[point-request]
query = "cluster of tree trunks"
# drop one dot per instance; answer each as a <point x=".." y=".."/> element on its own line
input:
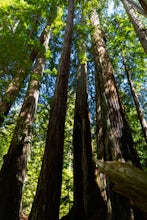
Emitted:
<point x="88" y="202"/>
<point x="114" y="140"/>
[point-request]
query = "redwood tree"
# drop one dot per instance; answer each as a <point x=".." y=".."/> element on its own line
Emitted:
<point x="116" y="140"/>
<point x="47" y="199"/>
<point x="88" y="202"/>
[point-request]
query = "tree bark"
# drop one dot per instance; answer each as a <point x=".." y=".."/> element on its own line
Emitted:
<point x="77" y="151"/>
<point x="17" y="83"/>
<point x="117" y="143"/>
<point x="144" y="5"/>
<point x="13" y="172"/>
<point x="141" y="116"/>
<point x="139" y="28"/>
<point x="88" y="199"/>
<point x="113" y="117"/>
<point x="10" y="95"/>
<point x="47" y="199"/>
<point x="138" y="7"/>
<point x="127" y="178"/>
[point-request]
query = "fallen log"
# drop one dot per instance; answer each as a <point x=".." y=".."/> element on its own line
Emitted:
<point x="128" y="181"/>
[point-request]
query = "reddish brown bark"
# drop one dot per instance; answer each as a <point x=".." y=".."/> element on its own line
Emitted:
<point x="116" y="141"/>
<point x="112" y="113"/>
<point x="47" y="199"/>
<point x="88" y="202"/>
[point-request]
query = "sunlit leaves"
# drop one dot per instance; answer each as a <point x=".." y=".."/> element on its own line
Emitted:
<point x="66" y="192"/>
<point x="58" y="23"/>
<point x="20" y="5"/>
<point x="52" y="72"/>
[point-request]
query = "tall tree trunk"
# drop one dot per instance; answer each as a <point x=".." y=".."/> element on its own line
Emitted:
<point x="17" y="82"/>
<point x="13" y="172"/>
<point x="141" y="116"/>
<point x="77" y="154"/>
<point x="47" y="199"/>
<point x="100" y="127"/>
<point x="88" y="199"/>
<point x="116" y="135"/>
<point x="139" y="28"/>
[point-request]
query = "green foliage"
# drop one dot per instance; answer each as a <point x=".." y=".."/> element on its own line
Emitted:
<point x="13" y="36"/>
<point x="58" y="24"/>
<point x="52" y="72"/>
<point x="138" y="138"/>
<point x="66" y="192"/>
<point x="66" y="201"/>
<point x="6" y="134"/>
<point x="34" y="166"/>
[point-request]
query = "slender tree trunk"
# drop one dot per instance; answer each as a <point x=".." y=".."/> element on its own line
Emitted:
<point x="138" y="7"/>
<point x="139" y="28"/>
<point x="141" y="116"/>
<point x="47" y="199"/>
<point x="99" y="112"/>
<point x="88" y="198"/>
<point x="116" y="135"/>
<point x="18" y="81"/>
<point x="77" y="149"/>
<point x="13" y="172"/>
<point x="10" y="95"/>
